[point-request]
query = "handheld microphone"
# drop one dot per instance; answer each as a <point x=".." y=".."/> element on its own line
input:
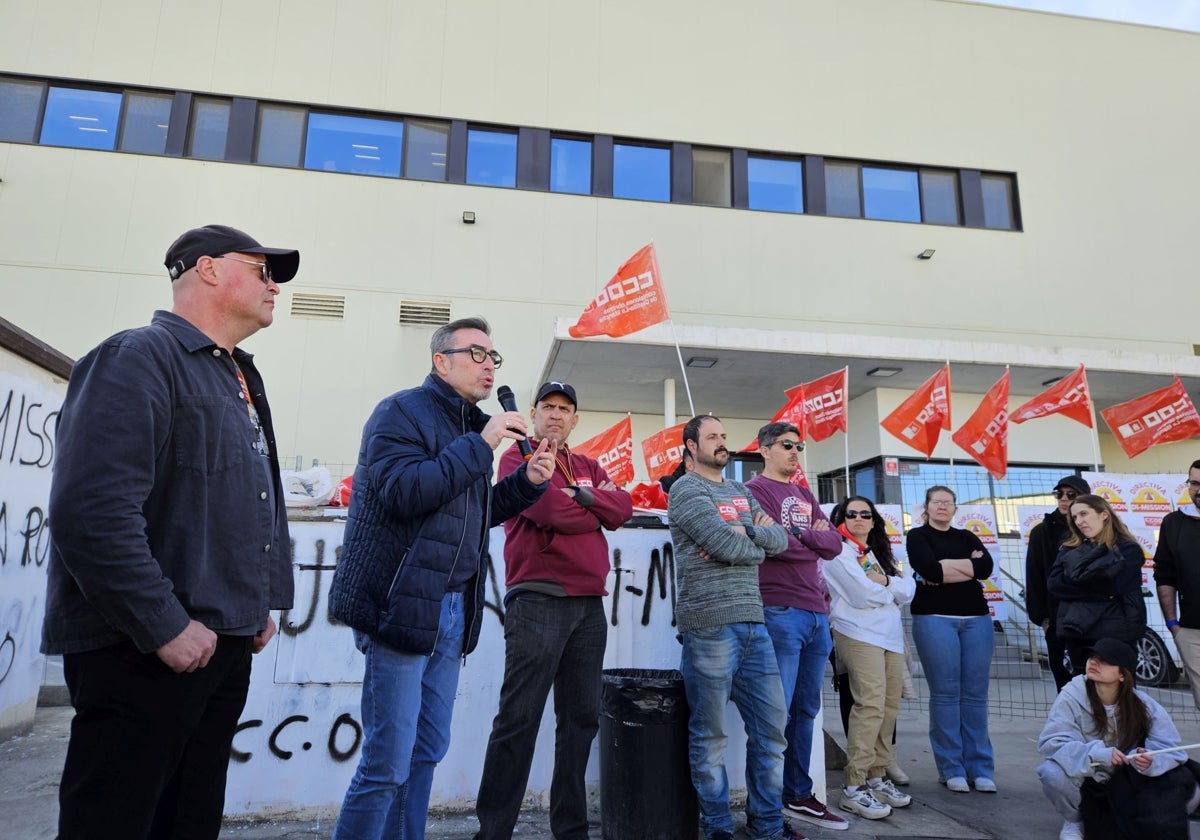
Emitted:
<point x="509" y="403"/>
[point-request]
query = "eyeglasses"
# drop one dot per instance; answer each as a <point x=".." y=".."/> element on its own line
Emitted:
<point x="859" y="514"/>
<point x="940" y="502"/>
<point x="1070" y="495"/>
<point x="478" y="354"/>
<point x="789" y="445"/>
<point x="264" y="268"/>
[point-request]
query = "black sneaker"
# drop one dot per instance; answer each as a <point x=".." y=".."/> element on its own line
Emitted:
<point x="812" y="811"/>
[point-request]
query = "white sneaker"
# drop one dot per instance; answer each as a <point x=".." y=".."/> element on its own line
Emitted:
<point x="859" y="800"/>
<point x="885" y="792"/>
<point x="958" y="784"/>
<point x="985" y="785"/>
<point x="1071" y="831"/>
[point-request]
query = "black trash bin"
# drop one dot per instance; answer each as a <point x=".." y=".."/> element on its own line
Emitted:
<point x="646" y="788"/>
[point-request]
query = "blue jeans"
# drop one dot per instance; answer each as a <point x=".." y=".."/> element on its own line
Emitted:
<point x="548" y="641"/>
<point x="735" y="661"/>
<point x="955" y="655"/>
<point x="407" y="702"/>
<point x="802" y="644"/>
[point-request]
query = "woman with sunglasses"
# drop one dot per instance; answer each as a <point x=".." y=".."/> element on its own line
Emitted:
<point x="1097" y="579"/>
<point x="868" y="592"/>
<point x="953" y="633"/>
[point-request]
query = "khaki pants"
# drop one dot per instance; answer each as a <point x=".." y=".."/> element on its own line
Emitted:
<point x="1188" y="642"/>
<point x="876" y="679"/>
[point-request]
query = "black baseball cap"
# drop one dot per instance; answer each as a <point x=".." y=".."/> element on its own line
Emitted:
<point x="1075" y="483"/>
<point x="215" y="240"/>
<point x="563" y="388"/>
<point x="1116" y="652"/>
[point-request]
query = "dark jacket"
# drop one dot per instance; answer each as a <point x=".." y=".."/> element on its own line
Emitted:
<point x="1177" y="563"/>
<point x="1099" y="591"/>
<point x="420" y="508"/>
<point x="1044" y="542"/>
<point x="161" y="510"/>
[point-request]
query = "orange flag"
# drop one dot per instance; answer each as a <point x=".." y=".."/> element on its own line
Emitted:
<point x="632" y="300"/>
<point x="1158" y="417"/>
<point x="792" y="412"/>
<point x="613" y="449"/>
<point x="919" y="420"/>
<point x="1068" y="396"/>
<point x="663" y="451"/>
<point x="985" y="434"/>
<point x="824" y="405"/>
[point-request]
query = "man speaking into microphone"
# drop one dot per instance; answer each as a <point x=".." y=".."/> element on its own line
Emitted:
<point x="410" y="578"/>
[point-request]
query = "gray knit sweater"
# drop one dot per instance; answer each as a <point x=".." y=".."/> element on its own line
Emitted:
<point x="722" y="589"/>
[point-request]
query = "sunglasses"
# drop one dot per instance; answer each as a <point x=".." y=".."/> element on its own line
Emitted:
<point x="1070" y="495"/>
<point x="859" y="514"/>
<point x="789" y="445"/>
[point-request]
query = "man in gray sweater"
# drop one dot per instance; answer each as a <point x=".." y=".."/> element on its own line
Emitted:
<point x="721" y="536"/>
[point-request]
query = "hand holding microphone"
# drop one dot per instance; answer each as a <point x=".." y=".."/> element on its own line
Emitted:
<point x="509" y="403"/>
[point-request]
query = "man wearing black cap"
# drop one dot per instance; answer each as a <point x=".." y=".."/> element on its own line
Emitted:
<point x="170" y="546"/>
<point x="1177" y="574"/>
<point x="556" y="562"/>
<point x="1044" y="541"/>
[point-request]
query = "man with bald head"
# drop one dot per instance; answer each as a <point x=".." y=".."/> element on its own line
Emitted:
<point x="170" y="546"/>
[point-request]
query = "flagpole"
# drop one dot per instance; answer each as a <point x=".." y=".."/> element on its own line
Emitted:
<point x="1095" y="424"/>
<point x="846" y="418"/>
<point x="846" y="451"/>
<point x="950" y="405"/>
<point x="682" y="369"/>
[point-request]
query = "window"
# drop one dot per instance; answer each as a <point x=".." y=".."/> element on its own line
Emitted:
<point x="641" y="172"/>
<point x="20" y="101"/>
<point x="210" y="124"/>
<point x="775" y="184"/>
<point x="144" y="127"/>
<point x="425" y="155"/>
<point x="939" y="197"/>
<point x="491" y="158"/>
<point x="82" y="119"/>
<point x="359" y="145"/>
<point x="841" y="190"/>
<point x="570" y="166"/>
<point x="997" y="202"/>
<point x="280" y="135"/>
<point x="891" y="194"/>
<point x="711" y="181"/>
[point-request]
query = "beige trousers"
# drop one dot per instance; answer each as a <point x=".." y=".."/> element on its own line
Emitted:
<point x="876" y="679"/>
<point x="1188" y="642"/>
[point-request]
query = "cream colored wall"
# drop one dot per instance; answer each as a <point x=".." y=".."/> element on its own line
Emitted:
<point x="1097" y="119"/>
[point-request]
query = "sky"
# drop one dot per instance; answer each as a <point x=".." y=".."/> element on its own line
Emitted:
<point x="1171" y="14"/>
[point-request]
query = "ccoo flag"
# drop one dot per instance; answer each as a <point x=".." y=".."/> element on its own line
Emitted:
<point x="824" y="405"/>
<point x="1068" y="396"/>
<point x="632" y="300"/>
<point x="985" y="434"/>
<point x="1158" y="417"/>
<point x="613" y="449"/>
<point x="919" y="420"/>
<point x="663" y="451"/>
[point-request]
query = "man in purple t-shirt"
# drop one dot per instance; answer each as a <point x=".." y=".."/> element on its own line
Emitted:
<point x="796" y="606"/>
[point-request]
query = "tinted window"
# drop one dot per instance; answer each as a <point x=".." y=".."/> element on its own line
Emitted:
<point x="775" y="184"/>
<point x="20" y="102"/>
<point x="997" y="202"/>
<point x="711" y="181"/>
<point x="641" y="172"/>
<point x="84" y="119"/>
<point x="280" y="135"/>
<point x="491" y="158"/>
<point x="147" y="116"/>
<point x="841" y="190"/>
<point x="570" y="166"/>
<point x="939" y="197"/>
<point x="360" y="145"/>
<point x="891" y="194"/>
<point x="425" y="155"/>
<point x="210" y="125"/>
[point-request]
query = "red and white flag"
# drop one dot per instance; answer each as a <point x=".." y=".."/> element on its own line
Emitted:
<point x="824" y="405"/>
<point x="1068" y="396"/>
<point x="632" y="300"/>
<point x="663" y="451"/>
<point x="613" y="449"/>
<point x="985" y="434"/>
<point x="1158" y="417"/>
<point x="919" y="420"/>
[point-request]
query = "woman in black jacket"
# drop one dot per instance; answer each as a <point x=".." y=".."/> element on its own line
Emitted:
<point x="1097" y="579"/>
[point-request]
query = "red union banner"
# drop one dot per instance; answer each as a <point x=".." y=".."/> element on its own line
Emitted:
<point x="985" y="434"/>
<point x="613" y="449"/>
<point x="919" y="420"/>
<point x="824" y="405"/>
<point x="793" y="410"/>
<point x="632" y="300"/>
<point x="1068" y="396"/>
<point x="1158" y="417"/>
<point x="663" y="451"/>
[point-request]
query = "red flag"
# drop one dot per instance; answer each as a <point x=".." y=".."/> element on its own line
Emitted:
<point x="1068" y="396"/>
<point x="919" y="420"/>
<point x="663" y="451"/>
<point x="632" y="300"/>
<point x="613" y="449"/>
<point x="798" y="477"/>
<point x="985" y="434"/>
<point x="1158" y="417"/>
<point x="824" y="405"/>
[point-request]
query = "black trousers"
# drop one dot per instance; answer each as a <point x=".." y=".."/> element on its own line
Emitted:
<point x="149" y="748"/>
<point x="1056" y="651"/>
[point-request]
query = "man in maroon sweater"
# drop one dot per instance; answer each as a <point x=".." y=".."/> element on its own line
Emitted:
<point x="796" y="608"/>
<point x="556" y="563"/>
